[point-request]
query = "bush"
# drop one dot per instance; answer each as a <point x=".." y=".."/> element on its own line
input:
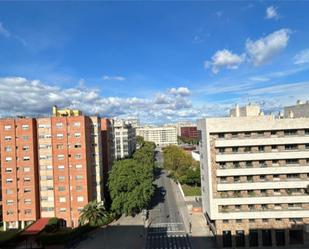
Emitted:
<point x="7" y="237"/>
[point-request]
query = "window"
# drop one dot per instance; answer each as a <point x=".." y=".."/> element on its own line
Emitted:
<point x="9" y="202"/>
<point x="7" y="127"/>
<point x="26" y="169"/>
<point x="221" y="135"/>
<point x="26" y="148"/>
<point x="27" y="211"/>
<point x="290" y="132"/>
<point x="238" y="221"/>
<point x="60" y="157"/>
<point x="8" y="170"/>
<point x="78" y="177"/>
<point x="262" y="178"/>
<point x="27" y="201"/>
<point x="80" y="198"/>
<point x="8" y="159"/>
<point x="61" y="167"/>
<point x="59" y="135"/>
<point x="78" y="156"/>
<point x="249" y="178"/>
<point x="225" y="221"/>
<point x="27" y="190"/>
<point x="61" y="188"/>
<point x="62" y="210"/>
<point x="306" y="131"/>
<point x="247" y="149"/>
<point x="25" y="138"/>
<point x="222" y="179"/>
<point x="76" y="134"/>
<point x="261" y="148"/>
<point x="62" y="199"/>
<point x="77" y="146"/>
<point x="265" y="220"/>
<point x="9" y="212"/>
<point x="291" y="147"/>
<point x="273" y="133"/>
<point x="26" y="158"/>
<point x="26" y="179"/>
<point x="78" y="166"/>
<point x="247" y="134"/>
<point x="291" y="161"/>
<point x="25" y="127"/>
<point x="235" y="149"/>
<point x="79" y="188"/>
<point x="274" y="147"/>
<point x="61" y="178"/>
<point x="9" y="191"/>
<point x="251" y="207"/>
<point x="251" y="220"/>
<point x="59" y="146"/>
<point x="58" y="125"/>
<point x="7" y="138"/>
<point x="7" y="149"/>
<point x="76" y="124"/>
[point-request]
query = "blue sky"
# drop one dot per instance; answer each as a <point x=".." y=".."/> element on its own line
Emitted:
<point x="159" y="61"/>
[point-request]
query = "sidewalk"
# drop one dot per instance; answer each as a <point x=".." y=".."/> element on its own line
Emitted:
<point x="125" y="233"/>
<point x="201" y="236"/>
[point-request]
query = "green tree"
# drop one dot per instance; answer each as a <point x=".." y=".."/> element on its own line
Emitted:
<point x="140" y="140"/>
<point x="130" y="185"/>
<point x="94" y="214"/>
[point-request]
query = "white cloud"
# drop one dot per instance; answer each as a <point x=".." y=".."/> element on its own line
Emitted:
<point x="182" y="91"/>
<point x="108" y="77"/>
<point x="271" y="13"/>
<point x="20" y="96"/>
<point x="265" y="48"/>
<point x="224" y="58"/>
<point x="302" y="57"/>
<point x="4" y="31"/>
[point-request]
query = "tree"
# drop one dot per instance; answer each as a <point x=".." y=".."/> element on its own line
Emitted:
<point x="94" y="214"/>
<point x="140" y="140"/>
<point x="130" y="185"/>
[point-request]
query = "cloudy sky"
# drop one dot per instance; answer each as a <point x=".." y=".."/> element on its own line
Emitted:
<point x="159" y="61"/>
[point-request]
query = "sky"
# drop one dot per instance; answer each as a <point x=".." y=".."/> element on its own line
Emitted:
<point x="160" y="61"/>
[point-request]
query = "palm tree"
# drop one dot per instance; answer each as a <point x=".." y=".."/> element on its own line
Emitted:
<point x="94" y="214"/>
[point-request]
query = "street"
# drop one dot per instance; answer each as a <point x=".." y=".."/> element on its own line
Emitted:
<point x="166" y="227"/>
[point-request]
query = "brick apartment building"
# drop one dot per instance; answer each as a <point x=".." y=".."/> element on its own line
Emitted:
<point x="189" y="132"/>
<point x="255" y="171"/>
<point x="51" y="167"/>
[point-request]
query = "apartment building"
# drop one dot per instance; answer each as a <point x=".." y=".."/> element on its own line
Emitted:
<point x="125" y="139"/>
<point x="57" y="162"/>
<point x="19" y="172"/>
<point x="255" y="171"/>
<point x="161" y="136"/>
<point x="189" y="132"/>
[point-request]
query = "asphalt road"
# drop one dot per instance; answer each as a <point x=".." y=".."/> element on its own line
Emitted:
<point x="166" y="228"/>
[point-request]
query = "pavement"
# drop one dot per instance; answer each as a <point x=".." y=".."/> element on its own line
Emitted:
<point x="125" y="233"/>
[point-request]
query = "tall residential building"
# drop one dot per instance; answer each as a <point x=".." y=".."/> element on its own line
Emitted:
<point x="161" y="136"/>
<point x="255" y="171"/>
<point x="125" y="139"/>
<point x="300" y="110"/>
<point x="19" y="171"/>
<point x="51" y="167"/>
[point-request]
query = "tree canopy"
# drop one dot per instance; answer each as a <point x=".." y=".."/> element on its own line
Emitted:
<point x="181" y="165"/>
<point x="94" y="214"/>
<point x="130" y="181"/>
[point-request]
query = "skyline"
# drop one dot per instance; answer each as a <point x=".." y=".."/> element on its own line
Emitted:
<point x="158" y="62"/>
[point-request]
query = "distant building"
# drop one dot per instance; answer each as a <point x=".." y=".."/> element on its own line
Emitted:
<point x="135" y="122"/>
<point x="189" y="132"/>
<point x="125" y="139"/>
<point x="161" y="136"/>
<point x="255" y="171"/>
<point x="300" y="110"/>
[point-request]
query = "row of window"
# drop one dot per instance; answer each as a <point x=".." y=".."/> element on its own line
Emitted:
<point x="261" y="163"/>
<point x="263" y="220"/>
<point x="60" y="178"/>
<point x="9" y="159"/>
<point x="263" y="133"/>
<point x="9" y="138"/>
<point x="10" y="180"/>
<point x="27" y="201"/>
<point x="10" y="191"/>
<point x="256" y="178"/>
<point x="79" y="199"/>
<point x="10" y="170"/>
<point x="249" y="149"/>
<point x="9" y="148"/>
<point x="9" y="127"/>
<point x="262" y="192"/>
<point x="60" y="167"/>
<point x="264" y="207"/>
<point x="26" y="211"/>
<point x="59" y="135"/>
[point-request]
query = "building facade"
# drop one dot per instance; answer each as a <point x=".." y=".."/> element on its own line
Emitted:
<point x="51" y="167"/>
<point x="300" y="110"/>
<point x="189" y="132"/>
<point x="19" y="172"/>
<point x="254" y="172"/>
<point x="161" y="136"/>
<point x="125" y="139"/>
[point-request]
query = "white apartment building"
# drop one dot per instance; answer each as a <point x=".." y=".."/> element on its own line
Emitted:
<point x="161" y="136"/>
<point x="125" y="139"/>
<point x="255" y="171"/>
